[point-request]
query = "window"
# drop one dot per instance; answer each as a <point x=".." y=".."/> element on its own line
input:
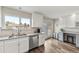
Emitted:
<point x="25" y="21"/>
<point x="11" y="21"/>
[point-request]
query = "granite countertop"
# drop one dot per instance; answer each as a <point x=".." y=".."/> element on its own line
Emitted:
<point x="20" y="36"/>
<point x="73" y="31"/>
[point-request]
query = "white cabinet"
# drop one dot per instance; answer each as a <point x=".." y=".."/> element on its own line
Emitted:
<point x="49" y="34"/>
<point x="23" y="44"/>
<point x="77" y="40"/>
<point x="11" y="46"/>
<point x="42" y="38"/>
<point x="1" y="46"/>
<point x="0" y="16"/>
<point x="14" y="45"/>
<point x="60" y="36"/>
<point x="37" y="20"/>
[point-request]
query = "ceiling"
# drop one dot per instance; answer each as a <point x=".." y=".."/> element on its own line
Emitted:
<point x="50" y="11"/>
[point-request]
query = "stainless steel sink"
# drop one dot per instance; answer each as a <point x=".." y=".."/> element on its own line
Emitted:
<point x="13" y="37"/>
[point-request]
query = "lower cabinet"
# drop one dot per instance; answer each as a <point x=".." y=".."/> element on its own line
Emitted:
<point x="18" y="45"/>
<point x="42" y="38"/>
<point x="11" y="46"/>
<point x="60" y="36"/>
<point x="1" y="46"/>
<point x="77" y="41"/>
<point x="49" y="34"/>
<point x="23" y="44"/>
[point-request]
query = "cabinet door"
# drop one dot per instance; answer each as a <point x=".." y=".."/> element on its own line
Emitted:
<point x="77" y="41"/>
<point x="1" y="47"/>
<point x="23" y="44"/>
<point x="42" y="38"/>
<point x="60" y="36"/>
<point x="11" y="46"/>
<point x="37" y="20"/>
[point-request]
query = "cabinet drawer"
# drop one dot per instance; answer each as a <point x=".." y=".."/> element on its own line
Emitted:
<point x="1" y="49"/>
<point x="1" y="43"/>
<point x="11" y="42"/>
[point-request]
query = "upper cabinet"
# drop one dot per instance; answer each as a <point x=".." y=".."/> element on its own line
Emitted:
<point x="77" y="20"/>
<point x="77" y="17"/>
<point x="0" y="15"/>
<point x="37" y="20"/>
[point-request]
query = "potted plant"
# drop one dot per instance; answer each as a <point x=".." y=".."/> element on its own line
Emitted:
<point x="61" y="29"/>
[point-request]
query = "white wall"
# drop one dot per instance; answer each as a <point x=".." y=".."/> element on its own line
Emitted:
<point x="70" y="20"/>
<point x="15" y="12"/>
<point x="11" y="12"/>
<point x="65" y="22"/>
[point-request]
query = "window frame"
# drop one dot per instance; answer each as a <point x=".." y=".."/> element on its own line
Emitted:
<point x="26" y="19"/>
<point x="20" y="19"/>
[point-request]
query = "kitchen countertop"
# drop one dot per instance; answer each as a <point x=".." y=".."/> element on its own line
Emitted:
<point x="21" y="36"/>
<point x="71" y="30"/>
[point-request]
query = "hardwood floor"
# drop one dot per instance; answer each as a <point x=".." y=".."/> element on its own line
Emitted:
<point x="55" y="46"/>
<point x="37" y="50"/>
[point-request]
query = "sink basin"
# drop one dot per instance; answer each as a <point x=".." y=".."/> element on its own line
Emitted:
<point x="10" y="37"/>
<point x="16" y="36"/>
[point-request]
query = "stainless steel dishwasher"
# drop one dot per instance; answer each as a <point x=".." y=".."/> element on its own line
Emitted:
<point x="33" y="41"/>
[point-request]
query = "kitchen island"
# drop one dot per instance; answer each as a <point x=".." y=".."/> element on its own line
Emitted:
<point x="72" y="32"/>
<point x="20" y="44"/>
